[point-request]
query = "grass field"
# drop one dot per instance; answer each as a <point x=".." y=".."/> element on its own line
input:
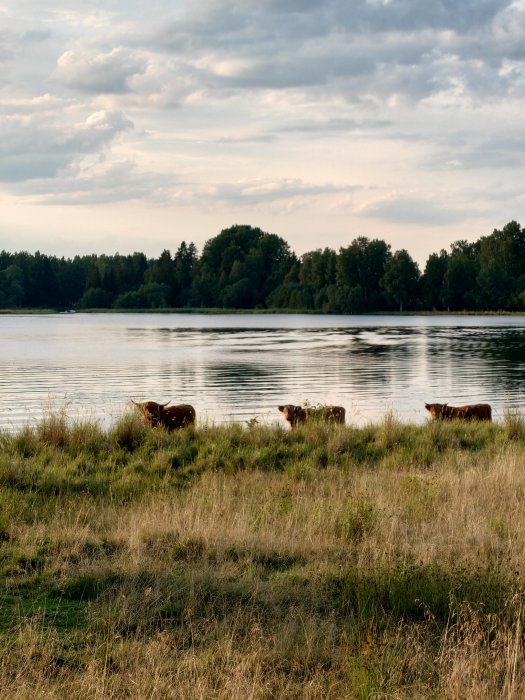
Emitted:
<point x="255" y="562"/>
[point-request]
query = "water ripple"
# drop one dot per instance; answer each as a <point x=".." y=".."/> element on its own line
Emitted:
<point x="237" y="368"/>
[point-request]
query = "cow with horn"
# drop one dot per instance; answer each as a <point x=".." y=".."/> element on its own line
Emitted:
<point x="169" y="417"/>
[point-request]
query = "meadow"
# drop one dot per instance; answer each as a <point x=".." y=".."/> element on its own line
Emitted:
<point x="249" y="561"/>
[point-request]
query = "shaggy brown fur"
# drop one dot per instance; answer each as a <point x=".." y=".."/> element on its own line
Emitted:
<point x="170" y="417"/>
<point x="295" y="415"/>
<point x="476" y="411"/>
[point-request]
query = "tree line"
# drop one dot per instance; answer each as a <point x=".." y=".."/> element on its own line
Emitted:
<point x="244" y="267"/>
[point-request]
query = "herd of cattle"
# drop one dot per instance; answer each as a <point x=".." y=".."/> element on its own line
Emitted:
<point x="181" y="415"/>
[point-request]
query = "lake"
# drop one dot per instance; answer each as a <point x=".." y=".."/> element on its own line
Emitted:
<point x="241" y="366"/>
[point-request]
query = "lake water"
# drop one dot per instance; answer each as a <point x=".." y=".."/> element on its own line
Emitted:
<point x="239" y="367"/>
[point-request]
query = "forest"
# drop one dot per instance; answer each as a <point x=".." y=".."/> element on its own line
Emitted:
<point x="244" y="267"/>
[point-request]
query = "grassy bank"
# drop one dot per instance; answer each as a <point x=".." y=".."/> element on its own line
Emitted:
<point x="253" y="562"/>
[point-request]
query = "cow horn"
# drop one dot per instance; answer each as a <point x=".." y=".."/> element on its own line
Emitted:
<point x="136" y="404"/>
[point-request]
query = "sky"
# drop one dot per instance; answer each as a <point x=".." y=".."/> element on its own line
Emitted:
<point x="130" y="125"/>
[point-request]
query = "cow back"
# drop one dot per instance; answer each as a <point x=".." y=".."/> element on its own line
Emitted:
<point x="296" y="415"/>
<point x="178" y="416"/>
<point x="335" y="414"/>
<point x="477" y="411"/>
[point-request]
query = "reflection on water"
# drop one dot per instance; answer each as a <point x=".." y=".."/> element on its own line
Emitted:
<point x="242" y="366"/>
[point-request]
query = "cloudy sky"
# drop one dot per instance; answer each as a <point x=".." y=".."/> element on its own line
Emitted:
<point x="131" y="125"/>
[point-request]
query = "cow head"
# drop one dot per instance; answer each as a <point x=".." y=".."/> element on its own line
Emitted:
<point x="293" y="414"/>
<point x="151" y="410"/>
<point x="436" y="410"/>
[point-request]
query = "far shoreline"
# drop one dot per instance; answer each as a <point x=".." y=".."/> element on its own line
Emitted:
<point x="249" y="312"/>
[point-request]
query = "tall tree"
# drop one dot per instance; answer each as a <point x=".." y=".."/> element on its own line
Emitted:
<point x="501" y="265"/>
<point x="11" y="287"/>
<point x="186" y="265"/>
<point x="289" y="294"/>
<point x="162" y="271"/>
<point x="317" y="275"/>
<point x="41" y="286"/>
<point x="401" y="279"/>
<point x="241" y="260"/>
<point x="460" y="289"/>
<point x="432" y="281"/>
<point x="360" y="268"/>
<point x="71" y="275"/>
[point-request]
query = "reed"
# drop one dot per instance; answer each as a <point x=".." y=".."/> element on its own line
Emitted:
<point x="257" y="562"/>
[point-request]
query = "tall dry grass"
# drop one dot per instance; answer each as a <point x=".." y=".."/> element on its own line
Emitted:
<point x="327" y="562"/>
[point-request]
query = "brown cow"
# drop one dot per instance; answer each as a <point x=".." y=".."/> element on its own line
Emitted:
<point x="295" y="415"/>
<point x="475" y="411"/>
<point x="170" y="417"/>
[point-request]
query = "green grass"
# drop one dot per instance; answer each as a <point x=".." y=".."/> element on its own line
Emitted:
<point x="218" y="562"/>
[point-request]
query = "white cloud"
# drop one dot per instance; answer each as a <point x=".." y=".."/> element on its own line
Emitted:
<point x="419" y="210"/>
<point x="246" y="193"/>
<point x="292" y="108"/>
<point x="34" y="144"/>
<point x="98" y="182"/>
<point x="109" y="72"/>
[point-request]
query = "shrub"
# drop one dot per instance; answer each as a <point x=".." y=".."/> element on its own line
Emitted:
<point x="514" y="423"/>
<point x="129" y="432"/>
